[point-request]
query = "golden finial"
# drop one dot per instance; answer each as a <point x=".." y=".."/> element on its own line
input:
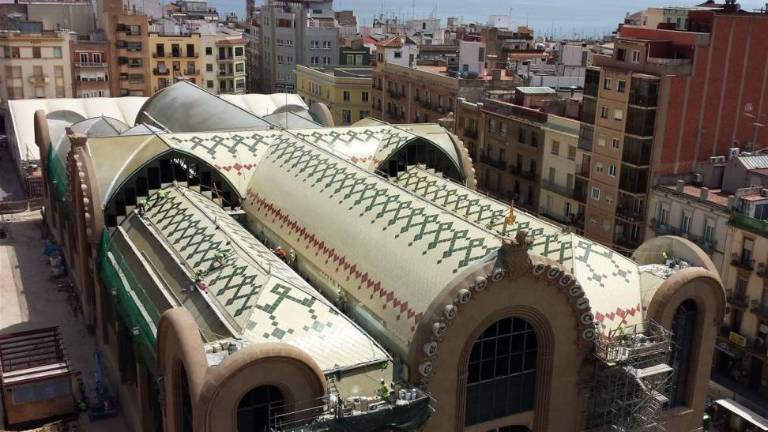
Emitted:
<point x="511" y="216"/>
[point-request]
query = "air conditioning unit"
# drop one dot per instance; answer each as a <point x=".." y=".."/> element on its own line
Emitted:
<point x="733" y="152"/>
<point x="764" y="192"/>
<point x="698" y="178"/>
<point x="713" y="159"/>
<point x="720" y="159"/>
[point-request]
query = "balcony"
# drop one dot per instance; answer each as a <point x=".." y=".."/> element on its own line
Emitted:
<point x="759" y="309"/>
<point x="629" y="213"/>
<point x="742" y="262"/>
<point x="425" y="104"/>
<point x="565" y="191"/>
<point x="38" y="79"/>
<point x="582" y="170"/>
<point x="395" y="95"/>
<point x="90" y="64"/>
<point x="737" y="299"/>
<point x="626" y="243"/>
<point x="498" y="164"/>
<point x="751" y="224"/>
<point x="529" y="175"/>
<point x="470" y="133"/>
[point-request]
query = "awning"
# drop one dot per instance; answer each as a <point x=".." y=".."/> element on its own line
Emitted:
<point x="744" y="412"/>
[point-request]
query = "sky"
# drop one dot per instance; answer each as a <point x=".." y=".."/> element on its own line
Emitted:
<point x="564" y="18"/>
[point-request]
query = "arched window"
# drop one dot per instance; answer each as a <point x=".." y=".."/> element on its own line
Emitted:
<point x="683" y="331"/>
<point x="185" y="407"/>
<point x="260" y="409"/>
<point x="501" y="374"/>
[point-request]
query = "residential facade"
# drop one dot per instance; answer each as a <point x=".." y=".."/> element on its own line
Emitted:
<point x="175" y="57"/>
<point x="558" y="198"/>
<point x="407" y="92"/>
<point x="293" y="34"/>
<point x="231" y="64"/>
<point x="346" y="91"/>
<point x="90" y="68"/>
<point x="35" y="65"/>
<point x="129" y="65"/>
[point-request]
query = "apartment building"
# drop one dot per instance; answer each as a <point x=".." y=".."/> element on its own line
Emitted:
<point x="346" y="91"/>
<point x="90" y="67"/>
<point x="174" y="57"/>
<point x="405" y="91"/>
<point x="34" y="64"/>
<point x="296" y="33"/>
<point x="558" y="197"/>
<point x="231" y="64"/>
<point x="129" y="67"/>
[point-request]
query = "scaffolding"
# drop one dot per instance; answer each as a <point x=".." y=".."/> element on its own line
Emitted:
<point x="632" y="378"/>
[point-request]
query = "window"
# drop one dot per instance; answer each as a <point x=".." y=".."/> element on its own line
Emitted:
<point x="481" y="54"/>
<point x="240" y="67"/>
<point x="521" y="135"/>
<point x="209" y="83"/>
<point x="96" y="57"/>
<point x="685" y="223"/>
<point x="314" y="44"/>
<point x="572" y="152"/>
<point x="618" y="114"/>
<point x="56" y="52"/>
<point x="604" y="112"/>
<point x="607" y="84"/>
<point x="501" y="372"/>
<point x="346" y="116"/>
<point x="346" y="96"/>
<point x="83" y="58"/>
<point x="208" y="50"/>
<point x="601" y="141"/>
<point x="609" y="199"/>
<point x="364" y="96"/>
<point x="746" y="251"/>
<point x="621" y="54"/>
<point x="635" y="56"/>
<point x="238" y="51"/>
<point x="709" y="231"/>
<point x="13" y="71"/>
<point x="615" y="143"/>
<point x="621" y="87"/>
<point x="364" y="114"/>
<point x="596" y="193"/>
<point x="36" y="52"/>
<point x="326" y="44"/>
<point x="598" y="168"/>
<point x="398" y="54"/>
<point x="683" y="331"/>
<point x="612" y="170"/>
<point x="15" y="53"/>
<point x="663" y="214"/>
<point x="555" y="148"/>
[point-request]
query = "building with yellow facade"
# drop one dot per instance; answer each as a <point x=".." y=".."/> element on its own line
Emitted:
<point x="345" y="90"/>
<point x="558" y="195"/>
<point x="174" y="57"/>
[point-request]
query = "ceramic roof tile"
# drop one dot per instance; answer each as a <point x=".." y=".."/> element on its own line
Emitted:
<point x="262" y="298"/>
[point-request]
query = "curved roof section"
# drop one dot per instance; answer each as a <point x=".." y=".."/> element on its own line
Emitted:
<point x="327" y="205"/>
<point x="234" y="154"/>
<point x="611" y="281"/>
<point x="184" y="107"/>
<point x="369" y="146"/>
<point x="265" y="104"/>
<point x="22" y="114"/>
<point x="257" y="295"/>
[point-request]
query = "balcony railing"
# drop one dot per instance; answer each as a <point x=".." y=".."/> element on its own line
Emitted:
<point x="750" y="224"/>
<point x="38" y="79"/>
<point x="530" y="175"/>
<point x="742" y="262"/>
<point x="582" y="169"/>
<point x="496" y="163"/>
<point x="565" y="191"/>
<point x="629" y="213"/>
<point x="737" y="299"/>
<point x="157" y="71"/>
<point x="90" y="64"/>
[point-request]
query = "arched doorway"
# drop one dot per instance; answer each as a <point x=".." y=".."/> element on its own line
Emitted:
<point x="501" y="372"/>
<point x="260" y="409"/>
<point x="683" y="332"/>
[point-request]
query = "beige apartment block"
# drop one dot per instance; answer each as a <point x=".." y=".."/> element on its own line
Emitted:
<point x="346" y="91"/>
<point x="174" y="57"/>
<point x="557" y="198"/>
<point x="34" y="65"/>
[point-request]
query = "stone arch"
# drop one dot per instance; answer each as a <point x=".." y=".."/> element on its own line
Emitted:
<point x="179" y="348"/>
<point x="704" y="288"/>
<point x="289" y="369"/>
<point x="542" y="300"/>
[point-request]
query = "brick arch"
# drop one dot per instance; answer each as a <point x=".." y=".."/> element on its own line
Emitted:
<point x="289" y="369"/>
<point x="705" y="289"/>
<point x="179" y="344"/>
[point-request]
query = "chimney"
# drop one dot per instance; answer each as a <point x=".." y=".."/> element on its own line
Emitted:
<point x="704" y="193"/>
<point x="679" y="185"/>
